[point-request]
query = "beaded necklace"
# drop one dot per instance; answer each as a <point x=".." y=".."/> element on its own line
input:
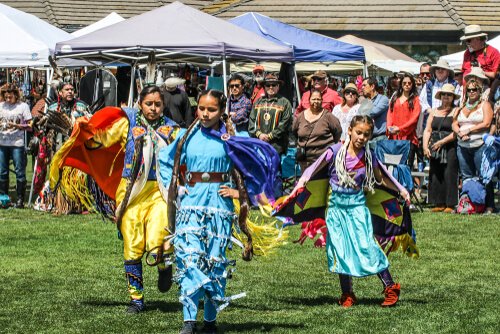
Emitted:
<point x="140" y="120"/>
<point x="473" y="105"/>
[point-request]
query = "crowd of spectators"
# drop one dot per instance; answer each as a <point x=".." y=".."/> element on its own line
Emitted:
<point x="443" y="112"/>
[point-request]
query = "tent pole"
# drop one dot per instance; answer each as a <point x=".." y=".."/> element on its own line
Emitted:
<point x="224" y="73"/>
<point x="131" y="90"/>
<point x="50" y="75"/>
<point x="365" y="69"/>
<point x="297" y="90"/>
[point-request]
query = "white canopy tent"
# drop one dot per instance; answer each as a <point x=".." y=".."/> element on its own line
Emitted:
<point x="105" y="22"/>
<point x="26" y="40"/>
<point x="383" y="58"/>
<point x="456" y="59"/>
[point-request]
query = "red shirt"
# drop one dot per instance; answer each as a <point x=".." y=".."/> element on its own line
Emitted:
<point x="257" y="93"/>
<point x="405" y="119"/>
<point x="488" y="58"/>
<point x="330" y="99"/>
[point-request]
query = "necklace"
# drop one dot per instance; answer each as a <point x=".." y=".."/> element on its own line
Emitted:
<point x="140" y="120"/>
<point x="267" y="115"/>
<point x="473" y="105"/>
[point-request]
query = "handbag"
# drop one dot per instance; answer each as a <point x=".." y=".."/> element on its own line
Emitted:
<point x="301" y="154"/>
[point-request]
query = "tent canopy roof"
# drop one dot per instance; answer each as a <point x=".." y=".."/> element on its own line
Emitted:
<point x="110" y="19"/>
<point x="308" y="46"/>
<point x="375" y="51"/>
<point x="175" y="30"/>
<point x="26" y="40"/>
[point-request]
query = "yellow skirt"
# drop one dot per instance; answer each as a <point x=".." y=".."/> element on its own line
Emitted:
<point x="144" y="221"/>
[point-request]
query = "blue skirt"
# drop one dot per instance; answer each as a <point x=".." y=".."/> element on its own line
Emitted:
<point x="350" y="246"/>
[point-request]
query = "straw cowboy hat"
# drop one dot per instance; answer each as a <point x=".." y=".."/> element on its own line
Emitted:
<point x="474" y="30"/>
<point x="478" y="73"/>
<point x="447" y="88"/>
<point x="441" y="63"/>
<point x="350" y="87"/>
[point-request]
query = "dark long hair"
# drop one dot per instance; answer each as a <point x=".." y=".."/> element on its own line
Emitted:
<point x="149" y="89"/>
<point x="244" y="201"/>
<point x="413" y="91"/>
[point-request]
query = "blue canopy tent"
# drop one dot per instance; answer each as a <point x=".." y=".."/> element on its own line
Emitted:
<point x="308" y="46"/>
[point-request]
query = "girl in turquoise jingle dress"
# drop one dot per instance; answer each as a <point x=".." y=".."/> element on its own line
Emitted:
<point x="205" y="210"/>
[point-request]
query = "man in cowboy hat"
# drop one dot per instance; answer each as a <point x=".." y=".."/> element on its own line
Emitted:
<point x="176" y="101"/>
<point x="478" y="53"/>
<point x="319" y="82"/>
<point x="271" y="116"/>
<point x="442" y="74"/>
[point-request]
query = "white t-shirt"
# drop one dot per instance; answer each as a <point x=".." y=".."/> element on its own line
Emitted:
<point x="345" y="118"/>
<point x="18" y="113"/>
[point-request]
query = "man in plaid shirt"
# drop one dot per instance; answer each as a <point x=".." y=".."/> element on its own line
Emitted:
<point x="239" y="104"/>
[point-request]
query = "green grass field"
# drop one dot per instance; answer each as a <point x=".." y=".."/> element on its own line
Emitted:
<point x="65" y="275"/>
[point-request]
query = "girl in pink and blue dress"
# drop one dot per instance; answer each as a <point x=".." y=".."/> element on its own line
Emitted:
<point x="351" y="247"/>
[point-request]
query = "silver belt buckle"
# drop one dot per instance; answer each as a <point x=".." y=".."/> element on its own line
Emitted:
<point x="205" y="177"/>
<point x="225" y="177"/>
<point x="189" y="176"/>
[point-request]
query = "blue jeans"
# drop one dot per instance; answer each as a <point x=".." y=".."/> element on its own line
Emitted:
<point x="18" y="156"/>
<point x="469" y="160"/>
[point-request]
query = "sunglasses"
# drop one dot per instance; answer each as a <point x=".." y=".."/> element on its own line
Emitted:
<point x="470" y="90"/>
<point x="317" y="79"/>
<point x="235" y="86"/>
<point x="447" y="94"/>
<point x="425" y="74"/>
<point x="350" y="93"/>
<point x="271" y="85"/>
<point x="257" y="72"/>
<point x="407" y="83"/>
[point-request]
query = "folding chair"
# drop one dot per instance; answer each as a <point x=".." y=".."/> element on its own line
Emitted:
<point x="394" y="155"/>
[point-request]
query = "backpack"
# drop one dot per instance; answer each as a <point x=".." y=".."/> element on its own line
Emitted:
<point x="466" y="206"/>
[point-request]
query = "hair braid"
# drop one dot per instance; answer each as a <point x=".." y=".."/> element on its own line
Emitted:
<point x="242" y="218"/>
<point x="345" y="179"/>
<point x="172" y="189"/>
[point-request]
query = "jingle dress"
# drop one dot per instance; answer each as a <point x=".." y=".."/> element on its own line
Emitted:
<point x="351" y="246"/>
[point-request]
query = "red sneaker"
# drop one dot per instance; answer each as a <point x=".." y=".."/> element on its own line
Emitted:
<point x="391" y="295"/>
<point x="347" y="299"/>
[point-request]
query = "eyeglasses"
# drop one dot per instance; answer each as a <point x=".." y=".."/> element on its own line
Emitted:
<point x="235" y="86"/>
<point x="470" y="90"/>
<point x="407" y="83"/>
<point x="271" y="85"/>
